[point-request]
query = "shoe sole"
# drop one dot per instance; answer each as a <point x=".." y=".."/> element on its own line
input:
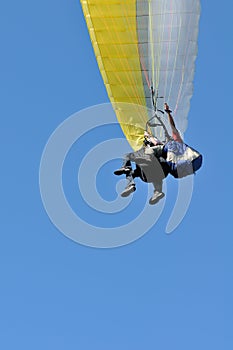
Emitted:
<point x="121" y="172"/>
<point x="126" y="194"/>
<point x="156" y="200"/>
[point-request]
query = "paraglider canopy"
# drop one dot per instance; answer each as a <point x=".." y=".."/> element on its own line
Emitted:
<point x="145" y="48"/>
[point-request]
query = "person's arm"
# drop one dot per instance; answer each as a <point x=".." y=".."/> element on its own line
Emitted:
<point x="175" y="133"/>
<point x="152" y="139"/>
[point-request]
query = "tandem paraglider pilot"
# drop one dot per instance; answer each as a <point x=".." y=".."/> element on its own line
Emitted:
<point x="156" y="159"/>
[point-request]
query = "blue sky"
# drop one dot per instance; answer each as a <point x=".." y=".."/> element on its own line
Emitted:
<point x="160" y="292"/>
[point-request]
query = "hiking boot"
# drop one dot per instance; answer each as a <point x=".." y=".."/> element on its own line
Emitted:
<point x="128" y="190"/>
<point x="156" y="197"/>
<point x="122" y="170"/>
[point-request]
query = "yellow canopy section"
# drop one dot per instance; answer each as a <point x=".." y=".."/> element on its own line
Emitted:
<point x="112" y="26"/>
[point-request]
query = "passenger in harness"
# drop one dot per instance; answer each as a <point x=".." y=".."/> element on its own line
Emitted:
<point x="156" y="159"/>
<point x="150" y="167"/>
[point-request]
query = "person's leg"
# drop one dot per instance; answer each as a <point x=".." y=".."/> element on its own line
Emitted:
<point x="158" y="192"/>
<point x="158" y="186"/>
<point x="130" y="187"/>
<point x="126" y="167"/>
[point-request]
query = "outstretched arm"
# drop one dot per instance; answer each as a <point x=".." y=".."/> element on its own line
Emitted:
<point x="175" y="133"/>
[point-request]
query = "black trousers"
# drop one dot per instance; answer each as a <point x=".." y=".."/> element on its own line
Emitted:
<point x="149" y="168"/>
